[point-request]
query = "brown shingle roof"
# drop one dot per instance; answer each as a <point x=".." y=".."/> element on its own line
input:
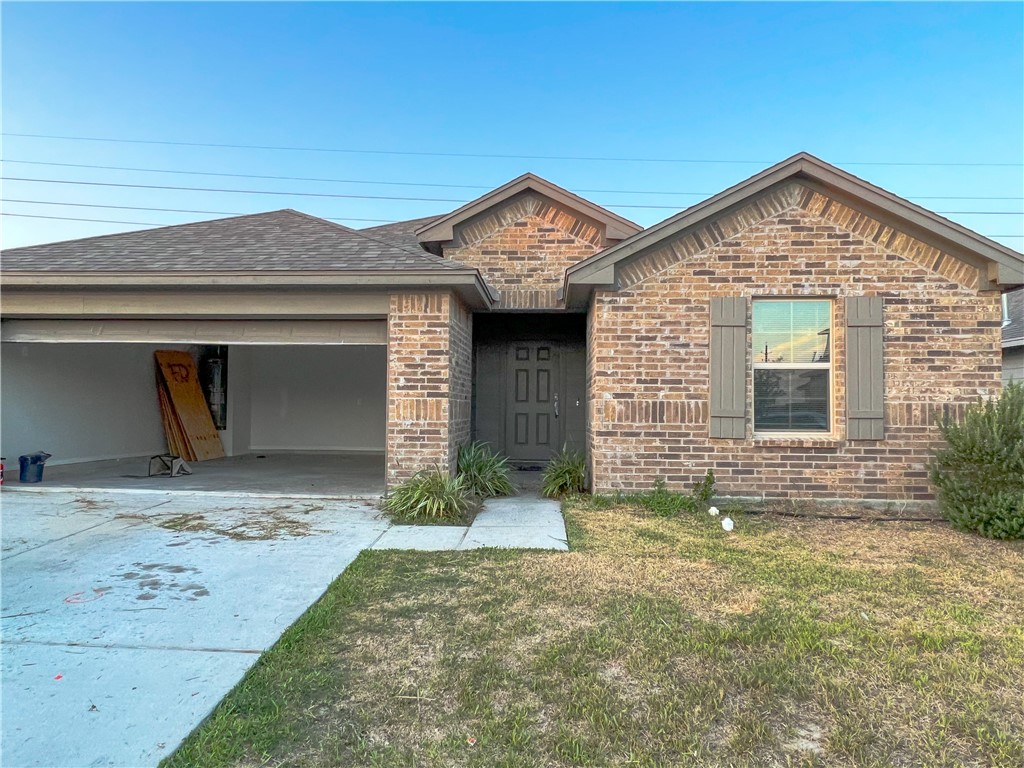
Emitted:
<point x="402" y="231"/>
<point x="277" y="240"/>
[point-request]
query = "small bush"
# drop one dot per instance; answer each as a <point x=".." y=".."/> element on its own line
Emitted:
<point x="431" y="495"/>
<point x="979" y="475"/>
<point x="484" y="472"/>
<point x="666" y="503"/>
<point x="565" y="474"/>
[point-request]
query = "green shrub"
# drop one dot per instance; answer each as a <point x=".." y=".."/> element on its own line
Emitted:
<point x="431" y="495"/>
<point x="666" y="503"/>
<point x="484" y="472"/>
<point x="565" y="474"/>
<point x="979" y="474"/>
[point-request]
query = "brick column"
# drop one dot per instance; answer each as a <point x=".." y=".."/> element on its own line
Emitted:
<point x="429" y="382"/>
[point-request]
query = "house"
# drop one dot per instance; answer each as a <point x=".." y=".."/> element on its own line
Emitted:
<point x="1013" y="336"/>
<point x="798" y="333"/>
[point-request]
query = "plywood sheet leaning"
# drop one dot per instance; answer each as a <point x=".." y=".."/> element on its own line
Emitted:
<point x="181" y="379"/>
<point x="176" y="442"/>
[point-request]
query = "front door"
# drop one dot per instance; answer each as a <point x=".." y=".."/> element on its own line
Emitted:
<point x="532" y="429"/>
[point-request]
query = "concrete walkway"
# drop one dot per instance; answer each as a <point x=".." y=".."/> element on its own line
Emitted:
<point x="126" y="617"/>
<point x="521" y="522"/>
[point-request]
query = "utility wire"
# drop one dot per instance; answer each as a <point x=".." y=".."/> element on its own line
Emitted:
<point x="365" y="197"/>
<point x="153" y="224"/>
<point x="72" y="218"/>
<point x="418" y="183"/>
<point x="289" y="178"/>
<point x="477" y="154"/>
<point x="236" y="191"/>
<point x="171" y="210"/>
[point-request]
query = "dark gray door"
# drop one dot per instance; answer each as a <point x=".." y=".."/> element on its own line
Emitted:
<point x="532" y="429"/>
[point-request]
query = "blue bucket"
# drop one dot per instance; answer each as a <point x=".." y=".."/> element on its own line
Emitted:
<point x="31" y="467"/>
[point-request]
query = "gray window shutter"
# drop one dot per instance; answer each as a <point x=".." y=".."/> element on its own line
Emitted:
<point x="865" y="396"/>
<point x="729" y="367"/>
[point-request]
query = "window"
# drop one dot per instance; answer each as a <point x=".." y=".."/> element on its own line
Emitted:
<point x="792" y="365"/>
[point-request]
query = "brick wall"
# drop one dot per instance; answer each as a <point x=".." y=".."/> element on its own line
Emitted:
<point x="429" y="369"/>
<point x="523" y="248"/>
<point x="461" y="377"/>
<point x="649" y="352"/>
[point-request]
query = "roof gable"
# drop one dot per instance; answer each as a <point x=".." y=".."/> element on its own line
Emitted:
<point x="615" y="227"/>
<point x="999" y="265"/>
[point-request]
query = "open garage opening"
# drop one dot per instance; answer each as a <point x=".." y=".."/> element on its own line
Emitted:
<point x="301" y="419"/>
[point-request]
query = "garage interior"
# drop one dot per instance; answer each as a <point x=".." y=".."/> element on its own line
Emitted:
<point x="297" y="418"/>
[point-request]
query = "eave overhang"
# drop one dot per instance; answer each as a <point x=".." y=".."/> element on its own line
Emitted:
<point x="468" y="284"/>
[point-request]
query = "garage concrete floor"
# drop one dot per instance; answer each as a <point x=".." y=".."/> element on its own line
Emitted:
<point x="126" y="617"/>
<point x="344" y="476"/>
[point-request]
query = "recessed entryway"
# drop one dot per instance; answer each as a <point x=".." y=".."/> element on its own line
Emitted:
<point x="529" y="383"/>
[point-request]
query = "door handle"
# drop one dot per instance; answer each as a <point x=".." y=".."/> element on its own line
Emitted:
<point x="556" y="405"/>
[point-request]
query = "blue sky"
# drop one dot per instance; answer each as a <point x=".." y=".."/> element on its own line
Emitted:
<point x="852" y="83"/>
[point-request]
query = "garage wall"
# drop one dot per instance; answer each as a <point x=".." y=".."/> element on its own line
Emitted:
<point x="80" y="402"/>
<point x="238" y="435"/>
<point x="317" y="398"/>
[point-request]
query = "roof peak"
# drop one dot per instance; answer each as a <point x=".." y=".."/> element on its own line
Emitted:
<point x="93" y="238"/>
<point x="1006" y="266"/>
<point x="442" y="229"/>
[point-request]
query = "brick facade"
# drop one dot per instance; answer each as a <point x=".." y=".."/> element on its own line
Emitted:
<point x="460" y="322"/>
<point x="649" y="358"/>
<point x="523" y="248"/>
<point x="429" y="370"/>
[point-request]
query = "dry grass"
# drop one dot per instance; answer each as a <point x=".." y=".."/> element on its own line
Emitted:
<point x="654" y="642"/>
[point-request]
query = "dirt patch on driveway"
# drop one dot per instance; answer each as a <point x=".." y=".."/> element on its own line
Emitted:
<point x="242" y="524"/>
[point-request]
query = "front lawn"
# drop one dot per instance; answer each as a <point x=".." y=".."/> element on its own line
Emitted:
<point x="656" y="642"/>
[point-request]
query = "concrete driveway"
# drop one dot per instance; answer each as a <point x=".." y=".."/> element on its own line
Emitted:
<point x="128" y="616"/>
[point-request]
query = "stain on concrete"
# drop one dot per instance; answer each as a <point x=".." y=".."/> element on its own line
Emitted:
<point x="168" y="568"/>
<point x="155" y="579"/>
<point x="14" y="543"/>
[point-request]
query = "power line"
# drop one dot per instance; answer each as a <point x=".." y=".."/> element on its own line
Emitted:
<point x="476" y="155"/>
<point x="236" y="191"/>
<point x="366" y="197"/>
<point x="171" y="210"/>
<point x="419" y="183"/>
<point x="72" y="218"/>
<point x="285" y="178"/>
<point x="154" y="224"/>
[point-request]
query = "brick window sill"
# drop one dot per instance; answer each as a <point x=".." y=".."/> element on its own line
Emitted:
<point x="798" y="441"/>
